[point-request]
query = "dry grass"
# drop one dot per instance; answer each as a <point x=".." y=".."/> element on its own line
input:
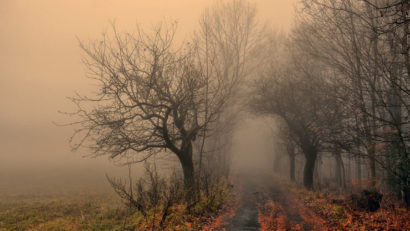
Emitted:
<point x="56" y="211"/>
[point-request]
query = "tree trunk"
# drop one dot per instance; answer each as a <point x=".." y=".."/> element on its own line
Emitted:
<point x="310" y="154"/>
<point x="340" y="170"/>
<point x="405" y="52"/>
<point x="316" y="174"/>
<point x="343" y="175"/>
<point x="187" y="167"/>
<point x="406" y="192"/>
<point x="292" y="167"/>
<point x="290" y="148"/>
<point x="372" y="166"/>
<point x="276" y="164"/>
<point x="359" y="171"/>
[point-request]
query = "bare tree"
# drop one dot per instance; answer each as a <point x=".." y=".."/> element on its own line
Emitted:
<point x="226" y="39"/>
<point x="297" y="93"/>
<point x="365" y="45"/>
<point x="291" y="152"/>
<point x="151" y="98"/>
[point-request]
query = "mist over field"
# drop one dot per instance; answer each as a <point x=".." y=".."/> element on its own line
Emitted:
<point x="41" y="66"/>
<point x="204" y="115"/>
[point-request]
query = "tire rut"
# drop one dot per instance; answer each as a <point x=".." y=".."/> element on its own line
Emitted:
<point x="266" y="207"/>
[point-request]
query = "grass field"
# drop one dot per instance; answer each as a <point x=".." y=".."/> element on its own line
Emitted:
<point x="87" y="210"/>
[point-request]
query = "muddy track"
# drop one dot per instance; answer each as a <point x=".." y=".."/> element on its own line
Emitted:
<point x="264" y="206"/>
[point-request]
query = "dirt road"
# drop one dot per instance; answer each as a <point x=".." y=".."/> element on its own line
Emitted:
<point x="264" y="206"/>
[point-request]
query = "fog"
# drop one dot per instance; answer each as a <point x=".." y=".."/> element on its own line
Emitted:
<point x="204" y="115"/>
<point x="253" y="146"/>
<point x="40" y="65"/>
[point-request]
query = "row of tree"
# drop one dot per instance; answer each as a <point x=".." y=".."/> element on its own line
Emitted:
<point x="343" y="89"/>
<point x="338" y="83"/>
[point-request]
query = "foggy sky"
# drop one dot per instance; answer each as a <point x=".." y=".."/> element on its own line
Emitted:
<point x="40" y="65"/>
